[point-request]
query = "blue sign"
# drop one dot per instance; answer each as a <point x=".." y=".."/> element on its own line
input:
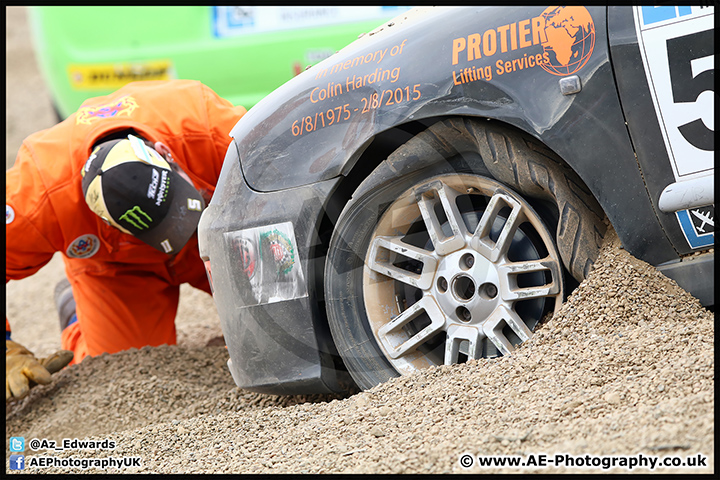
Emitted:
<point x="17" y="462"/>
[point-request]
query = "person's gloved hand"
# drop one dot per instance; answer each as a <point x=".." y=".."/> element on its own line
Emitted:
<point x="22" y="368"/>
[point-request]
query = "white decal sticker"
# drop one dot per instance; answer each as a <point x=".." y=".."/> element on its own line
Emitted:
<point x="269" y="257"/>
<point x="194" y="204"/>
<point x="678" y="52"/>
<point x="166" y="246"/>
<point x="677" y="48"/>
<point x="698" y="226"/>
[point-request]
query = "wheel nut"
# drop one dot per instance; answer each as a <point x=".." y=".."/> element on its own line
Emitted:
<point x="487" y="291"/>
<point x="467" y="261"/>
<point x="463" y="314"/>
<point x="442" y="285"/>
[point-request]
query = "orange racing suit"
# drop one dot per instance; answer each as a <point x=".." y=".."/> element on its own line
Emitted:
<point x="126" y="292"/>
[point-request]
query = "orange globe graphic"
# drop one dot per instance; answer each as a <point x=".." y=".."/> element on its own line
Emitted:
<point x="570" y="33"/>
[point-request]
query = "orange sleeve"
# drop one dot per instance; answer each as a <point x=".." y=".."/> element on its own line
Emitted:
<point x="30" y="221"/>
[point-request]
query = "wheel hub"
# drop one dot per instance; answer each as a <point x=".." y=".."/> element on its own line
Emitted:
<point x="466" y="287"/>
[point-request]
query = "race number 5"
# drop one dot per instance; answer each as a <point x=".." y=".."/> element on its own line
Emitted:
<point x="686" y="88"/>
<point x="194" y="204"/>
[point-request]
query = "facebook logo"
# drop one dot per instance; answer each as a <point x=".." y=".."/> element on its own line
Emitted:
<point x="17" y="444"/>
<point x="17" y="462"/>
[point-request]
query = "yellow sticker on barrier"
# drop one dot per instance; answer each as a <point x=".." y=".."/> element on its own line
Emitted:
<point x="115" y="75"/>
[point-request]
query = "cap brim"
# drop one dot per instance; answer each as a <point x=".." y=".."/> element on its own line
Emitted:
<point x="181" y="221"/>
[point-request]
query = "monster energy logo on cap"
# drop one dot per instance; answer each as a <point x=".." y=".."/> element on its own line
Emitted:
<point x="136" y="217"/>
<point x="132" y="186"/>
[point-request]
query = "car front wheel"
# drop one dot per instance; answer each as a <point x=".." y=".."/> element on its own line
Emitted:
<point x="442" y="264"/>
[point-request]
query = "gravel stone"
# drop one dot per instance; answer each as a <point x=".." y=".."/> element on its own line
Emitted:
<point x="616" y="374"/>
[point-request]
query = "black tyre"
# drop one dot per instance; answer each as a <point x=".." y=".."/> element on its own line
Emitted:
<point x="446" y="251"/>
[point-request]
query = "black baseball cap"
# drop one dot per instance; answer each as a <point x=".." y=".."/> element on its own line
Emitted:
<point x="133" y="188"/>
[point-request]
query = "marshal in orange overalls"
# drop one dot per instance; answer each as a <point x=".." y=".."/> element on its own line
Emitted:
<point x="126" y="292"/>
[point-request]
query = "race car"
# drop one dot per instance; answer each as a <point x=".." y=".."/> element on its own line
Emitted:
<point x="432" y="192"/>
<point x="88" y="51"/>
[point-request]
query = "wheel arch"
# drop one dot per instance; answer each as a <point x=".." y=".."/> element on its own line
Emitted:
<point x="381" y="145"/>
<point x="385" y="143"/>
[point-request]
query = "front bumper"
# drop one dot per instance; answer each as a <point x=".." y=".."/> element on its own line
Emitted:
<point x="259" y="251"/>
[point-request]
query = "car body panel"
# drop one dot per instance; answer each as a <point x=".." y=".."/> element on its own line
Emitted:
<point x="290" y="142"/>
<point x="587" y="129"/>
<point x="640" y="112"/>
<point x="277" y="341"/>
<point x="242" y="53"/>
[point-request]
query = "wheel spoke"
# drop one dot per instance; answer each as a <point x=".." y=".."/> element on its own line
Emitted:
<point x="434" y="193"/>
<point x="384" y="252"/>
<point x="508" y="272"/>
<point x="458" y="334"/>
<point x="481" y="237"/>
<point x="513" y="221"/>
<point x="493" y="326"/>
<point x="397" y="341"/>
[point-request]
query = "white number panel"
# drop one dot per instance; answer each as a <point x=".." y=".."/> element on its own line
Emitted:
<point x="677" y="47"/>
<point x="678" y="52"/>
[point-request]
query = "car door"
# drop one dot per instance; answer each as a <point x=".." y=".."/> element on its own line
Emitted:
<point x="663" y="61"/>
